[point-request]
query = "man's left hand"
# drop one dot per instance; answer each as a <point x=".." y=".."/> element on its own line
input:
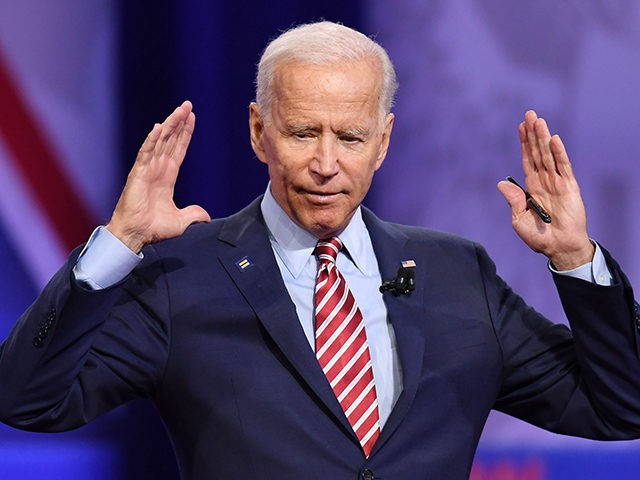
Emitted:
<point x="550" y="180"/>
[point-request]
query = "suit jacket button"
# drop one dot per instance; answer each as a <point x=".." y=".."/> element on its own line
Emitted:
<point x="367" y="474"/>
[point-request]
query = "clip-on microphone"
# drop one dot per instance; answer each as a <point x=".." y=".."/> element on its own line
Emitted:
<point x="403" y="284"/>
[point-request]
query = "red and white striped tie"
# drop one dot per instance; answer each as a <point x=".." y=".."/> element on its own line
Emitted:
<point x="342" y="348"/>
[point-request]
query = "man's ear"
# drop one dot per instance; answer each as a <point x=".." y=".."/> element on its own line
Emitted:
<point x="256" y="130"/>
<point x="386" y="137"/>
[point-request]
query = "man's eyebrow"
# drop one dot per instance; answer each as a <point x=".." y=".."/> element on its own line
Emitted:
<point x="354" y="132"/>
<point x="300" y="127"/>
<point x="297" y="127"/>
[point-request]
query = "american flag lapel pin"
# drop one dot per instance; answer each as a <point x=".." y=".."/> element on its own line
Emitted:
<point x="408" y="263"/>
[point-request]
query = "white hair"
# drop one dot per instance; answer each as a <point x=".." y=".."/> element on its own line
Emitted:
<point x="320" y="44"/>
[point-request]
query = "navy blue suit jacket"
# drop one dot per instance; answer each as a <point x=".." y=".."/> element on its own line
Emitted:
<point x="220" y="351"/>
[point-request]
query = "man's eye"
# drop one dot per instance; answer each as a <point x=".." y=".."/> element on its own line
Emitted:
<point x="350" y="139"/>
<point x="302" y="135"/>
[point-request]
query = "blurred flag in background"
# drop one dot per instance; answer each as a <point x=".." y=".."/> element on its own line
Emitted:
<point x="58" y="137"/>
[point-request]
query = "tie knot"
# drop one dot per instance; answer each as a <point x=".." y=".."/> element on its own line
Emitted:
<point x="327" y="249"/>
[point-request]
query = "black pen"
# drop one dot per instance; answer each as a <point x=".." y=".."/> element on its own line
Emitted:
<point x="544" y="216"/>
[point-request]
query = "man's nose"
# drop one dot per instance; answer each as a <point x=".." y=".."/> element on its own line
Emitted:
<point x="325" y="160"/>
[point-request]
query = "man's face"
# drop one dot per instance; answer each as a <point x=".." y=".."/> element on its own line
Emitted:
<point x="323" y="141"/>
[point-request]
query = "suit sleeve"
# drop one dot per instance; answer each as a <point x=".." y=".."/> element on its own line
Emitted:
<point x="584" y="381"/>
<point x="77" y="353"/>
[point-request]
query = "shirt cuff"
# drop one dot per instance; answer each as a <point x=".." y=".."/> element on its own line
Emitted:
<point x="596" y="271"/>
<point x="104" y="261"/>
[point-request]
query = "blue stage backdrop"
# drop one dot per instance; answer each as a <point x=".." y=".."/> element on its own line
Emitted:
<point x="81" y="83"/>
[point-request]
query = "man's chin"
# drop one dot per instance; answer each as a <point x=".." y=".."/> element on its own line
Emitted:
<point x="325" y="228"/>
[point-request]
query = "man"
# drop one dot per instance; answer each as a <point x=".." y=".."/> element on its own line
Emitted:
<point x="265" y="359"/>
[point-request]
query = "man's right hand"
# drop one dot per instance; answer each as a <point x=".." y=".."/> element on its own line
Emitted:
<point x="146" y="212"/>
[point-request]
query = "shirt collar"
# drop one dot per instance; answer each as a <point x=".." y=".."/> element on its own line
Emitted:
<point x="294" y="245"/>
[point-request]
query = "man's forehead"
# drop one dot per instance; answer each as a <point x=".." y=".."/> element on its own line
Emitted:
<point x="311" y="87"/>
<point x="297" y="115"/>
<point x="299" y="75"/>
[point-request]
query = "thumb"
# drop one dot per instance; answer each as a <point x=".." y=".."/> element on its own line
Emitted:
<point x="194" y="214"/>
<point x="513" y="195"/>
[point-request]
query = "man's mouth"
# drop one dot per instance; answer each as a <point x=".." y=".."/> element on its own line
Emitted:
<point x="318" y="196"/>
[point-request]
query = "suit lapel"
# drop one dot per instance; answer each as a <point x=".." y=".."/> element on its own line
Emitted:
<point x="392" y="247"/>
<point x="262" y="286"/>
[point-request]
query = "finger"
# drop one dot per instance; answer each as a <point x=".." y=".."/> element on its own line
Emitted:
<point x="182" y="143"/>
<point x="181" y="133"/>
<point x="193" y="214"/>
<point x="187" y="106"/>
<point x="529" y="121"/>
<point x="543" y="136"/>
<point x="527" y="162"/>
<point x="172" y="126"/>
<point x="179" y="115"/>
<point x="514" y="196"/>
<point x="149" y="144"/>
<point x="563" y="164"/>
<point x="175" y="148"/>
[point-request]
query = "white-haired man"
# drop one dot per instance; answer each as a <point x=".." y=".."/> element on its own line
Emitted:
<point x="264" y="339"/>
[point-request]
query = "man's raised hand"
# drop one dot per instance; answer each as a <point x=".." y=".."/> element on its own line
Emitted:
<point x="550" y="180"/>
<point x="146" y="212"/>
